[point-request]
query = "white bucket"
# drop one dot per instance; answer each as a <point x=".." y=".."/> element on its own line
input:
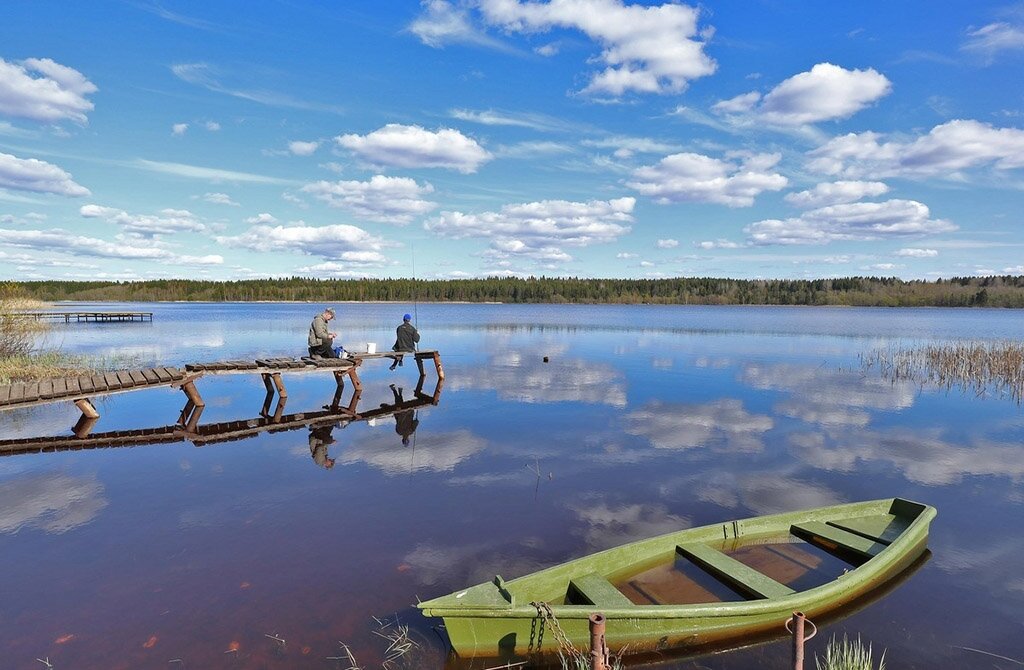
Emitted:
<point x="371" y="347"/>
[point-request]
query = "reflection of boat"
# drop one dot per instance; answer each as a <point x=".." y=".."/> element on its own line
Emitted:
<point x="694" y="588"/>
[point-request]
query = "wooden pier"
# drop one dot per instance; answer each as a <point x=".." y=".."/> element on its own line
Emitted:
<point x="188" y="428"/>
<point x="81" y="390"/>
<point x="87" y="317"/>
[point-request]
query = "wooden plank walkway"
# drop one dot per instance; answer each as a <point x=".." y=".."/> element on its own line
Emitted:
<point x="225" y="431"/>
<point x="87" y="317"/>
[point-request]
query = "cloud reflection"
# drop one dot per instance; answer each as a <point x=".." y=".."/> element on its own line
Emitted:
<point x="52" y="503"/>
<point x="606" y="526"/>
<point x="722" y="423"/>
<point x="435" y="452"/>
<point x="523" y="376"/>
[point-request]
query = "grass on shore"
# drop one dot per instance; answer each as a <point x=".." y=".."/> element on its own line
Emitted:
<point x="43" y="365"/>
<point x="20" y="356"/>
<point x="983" y="368"/>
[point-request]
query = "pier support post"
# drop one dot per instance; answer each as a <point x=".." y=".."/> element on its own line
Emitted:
<point x="267" y="382"/>
<point x="598" y="647"/>
<point x="87" y="409"/>
<point x="84" y="426"/>
<point x="419" y="364"/>
<point x="281" y="390"/>
<point x="189" y="389"/>
<point x="437" y="365"/>
<point x="354" y="376"/>
<point x="799" y="621"/>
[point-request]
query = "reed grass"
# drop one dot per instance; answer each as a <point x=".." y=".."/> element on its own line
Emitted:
<point x="848" y="655"/>
<point x="982" y="368"/>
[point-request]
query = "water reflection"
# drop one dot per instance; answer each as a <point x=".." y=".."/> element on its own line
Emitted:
<point x="722" y="424"/>
<point x="52" y="502"/>
<point x="320" y="438"/>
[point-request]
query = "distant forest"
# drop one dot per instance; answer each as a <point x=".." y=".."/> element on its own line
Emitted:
<point x="1001" y="291"/>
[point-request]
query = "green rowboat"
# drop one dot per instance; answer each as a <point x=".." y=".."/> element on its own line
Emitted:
<point x="693" y="588"/>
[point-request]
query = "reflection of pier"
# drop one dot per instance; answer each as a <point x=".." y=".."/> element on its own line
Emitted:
<point x="188" y="428"/>
<point x="82" y="389"/>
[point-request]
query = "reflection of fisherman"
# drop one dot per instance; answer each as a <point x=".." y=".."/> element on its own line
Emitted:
<point x="319" y="439"/>
<point x="406" y="337"/>
<point x="405" y="420"/>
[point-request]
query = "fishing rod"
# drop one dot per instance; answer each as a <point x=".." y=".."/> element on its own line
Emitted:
<point x="415" y="303"/>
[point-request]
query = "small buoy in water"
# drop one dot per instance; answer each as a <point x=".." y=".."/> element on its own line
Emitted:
<point x="545" y="359"/>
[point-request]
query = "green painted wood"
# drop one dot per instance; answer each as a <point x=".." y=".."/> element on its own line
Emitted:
<point x="734" y="573"/>
<point x="477" y="626"/>
<point x="598" y="591"/>
<point x="883" y="528"/>
<point x="828" y="536"/>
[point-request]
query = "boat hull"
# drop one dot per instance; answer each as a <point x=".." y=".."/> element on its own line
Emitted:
<point x="520" y="628"/>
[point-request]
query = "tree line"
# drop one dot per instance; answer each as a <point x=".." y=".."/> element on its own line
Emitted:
<point x="996" y="291"/>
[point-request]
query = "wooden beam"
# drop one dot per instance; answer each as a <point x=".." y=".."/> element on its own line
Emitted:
<point x="192" y="394"/>
<point x="87" y="409"/>
<point x="281" y="390"/>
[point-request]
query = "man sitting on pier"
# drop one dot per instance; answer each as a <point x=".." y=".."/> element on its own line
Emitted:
<point x="407" y="337"/>
<point x="320" y="339"/>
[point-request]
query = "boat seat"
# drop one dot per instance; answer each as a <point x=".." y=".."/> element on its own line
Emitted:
<point x="884" y="528"/>
<point x="732" y="572"/>
<point x="831" y="538"/>
<point x="598" y="591"/>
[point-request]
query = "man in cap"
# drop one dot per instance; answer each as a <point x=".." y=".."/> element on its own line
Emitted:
<point x="407" y="337"/>
<point x="321" y="339"/>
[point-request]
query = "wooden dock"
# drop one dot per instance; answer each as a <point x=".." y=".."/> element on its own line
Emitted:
<point x="87" y="317"/>
<point x="81" y="390"/>
<point x="187" y="429"/>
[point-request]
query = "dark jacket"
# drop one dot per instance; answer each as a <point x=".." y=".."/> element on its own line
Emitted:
<point x="407" y="337"/>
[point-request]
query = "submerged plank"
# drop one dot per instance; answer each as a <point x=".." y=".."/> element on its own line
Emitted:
<point x="733" y="572"/>
<point x="832" y="538"/>
<point x="598" y="591"/>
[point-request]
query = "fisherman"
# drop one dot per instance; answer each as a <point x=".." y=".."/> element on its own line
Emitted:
<point x="320" y="339"/>
<point x="406" y="338"/>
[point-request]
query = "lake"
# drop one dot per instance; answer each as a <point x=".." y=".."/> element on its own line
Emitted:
<point x="645" y="420"/>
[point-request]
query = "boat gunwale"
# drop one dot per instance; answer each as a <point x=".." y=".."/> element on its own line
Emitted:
<point x="859" y="578"/>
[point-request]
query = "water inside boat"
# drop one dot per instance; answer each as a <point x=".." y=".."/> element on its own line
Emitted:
<point x="679" y="580"/>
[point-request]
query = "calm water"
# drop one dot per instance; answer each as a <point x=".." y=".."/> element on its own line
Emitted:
<point x="646" y="420"/>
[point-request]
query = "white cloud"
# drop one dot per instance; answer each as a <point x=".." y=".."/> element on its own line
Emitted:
<point x="625" y="255"/>
<point x="917" y="253"/>
<point x="717" y="244"/>
<point x="203" y="74"/>
<point x="850" y="221"/>
<point x="179" y="129"/>
<point x="338" y="242"/>
<point x="396" y="200"/>
<point x="490" y="117"/>
<point x="1015" y="270"/>
<point x="30" y="174"/>
<point x="836" y="193"/>
<point x="346" y="270"/>
<point x="525" y="150"/>
<point x="885" y="267"/>
<point x="824" y="93"/>
<point x="212" y="126"/>
<point x="989" y="40"/>
<point x="443" y="22"/>
<point x="220" y="199"/>
<point x="208" y="174"/>
<point x="945" y="151"/>
<point x="535" y="229"/>
<point x="646" y="49"/>
<point x="168" y="222"/>
<point x="300" y="148"/>
<point x="396" y="145"/>
<point x="263" y="217"/>
<point x="688" y="177"/>
<point x="43" y="90"/>
<point x="626" y="147"/>
<point x="667" y="244"/>
<point x="547" y="50"/>
<point x="57" y="240"/>
<point x="53" y="503"/>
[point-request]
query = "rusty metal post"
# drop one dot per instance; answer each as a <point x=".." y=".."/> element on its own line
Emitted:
<point x="798" y="640"/>
<point x="598" y="647"/>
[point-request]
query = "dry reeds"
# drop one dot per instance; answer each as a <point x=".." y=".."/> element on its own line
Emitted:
<point x="984" y="368"/>
<point x="848" y="655"/>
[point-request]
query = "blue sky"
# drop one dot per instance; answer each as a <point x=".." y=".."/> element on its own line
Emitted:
<point x="595" y="138"/>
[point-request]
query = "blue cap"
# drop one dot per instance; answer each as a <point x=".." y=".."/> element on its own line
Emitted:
<point x="407" y="317"/>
